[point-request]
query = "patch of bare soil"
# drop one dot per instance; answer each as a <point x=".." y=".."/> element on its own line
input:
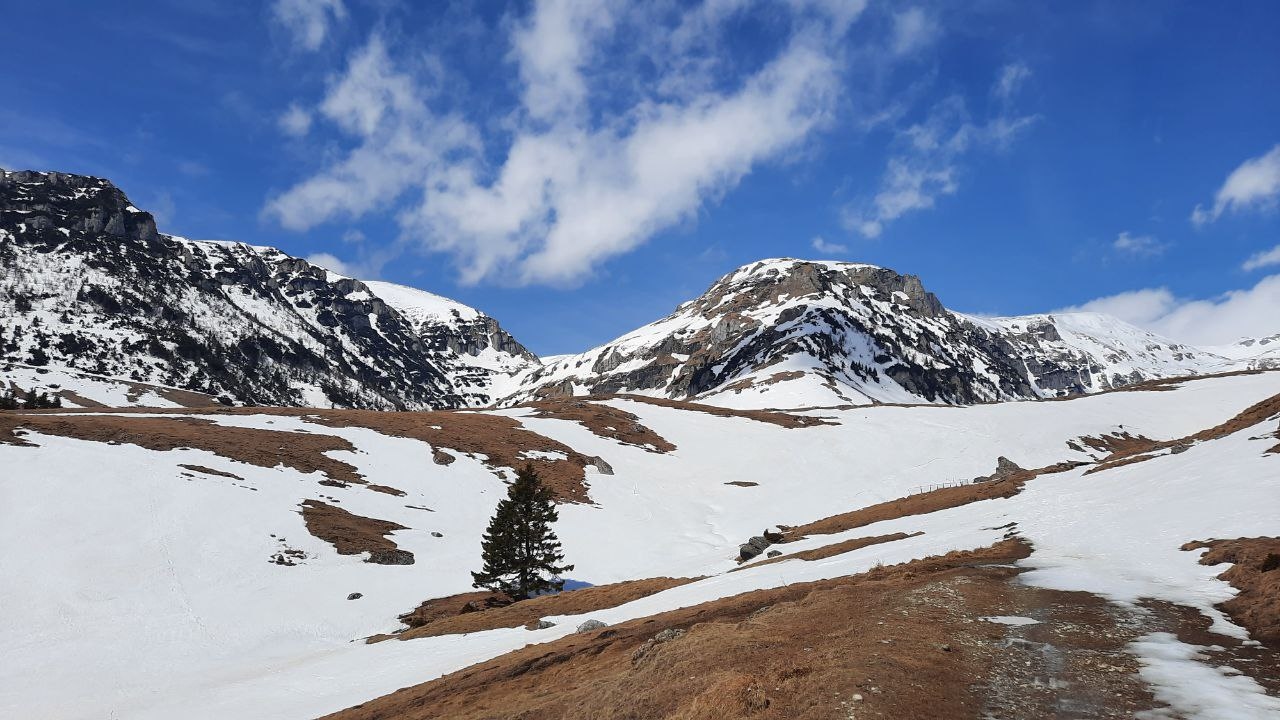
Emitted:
<point x="603" y="420"/>
<point x="79" y="399"/>
<point x="1255" y="572"/>
<point x="352" y="534"/>
<point x="897" y="642"/>
<point x="773" y="417"/>
<point x="502" y="440"/>
<point x="473" y="612"/>
<point x="923" y="503"/>
<point x="304" y="452"/>
<point x="833" y="549"/>
<point x="1117" y="444"/>
<point x="210" y="471"/>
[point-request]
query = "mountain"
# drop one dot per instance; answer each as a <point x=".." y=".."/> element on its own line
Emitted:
<point x="1085" y="352"/>
<point x="91" y="286"/>
<point x="795" y="333"/>
<point x="1253" y="353"/>
<point x="479" y="356"/>
<point x="88" y="283"/>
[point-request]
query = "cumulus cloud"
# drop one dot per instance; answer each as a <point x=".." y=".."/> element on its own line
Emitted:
<point x="577" y="181"/>
<point x="829" y="248"/>
<point x="1252" y="186"/>
<point x="1214" y="321"/>
<point x="927" y="166"/>
<point x="296" y="121"/>
<point x="1138" y="245"/>
<point x="1261" y="259"/>
<point x="308" y="21"/>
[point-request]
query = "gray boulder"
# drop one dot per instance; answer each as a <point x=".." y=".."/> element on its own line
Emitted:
<point x="393" y="556"/>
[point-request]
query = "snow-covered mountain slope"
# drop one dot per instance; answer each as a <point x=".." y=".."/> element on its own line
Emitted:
<point x="75" y="389"/>
<point x="477" y="354"/>
<point x="1253" y="353"/>
<point x="182" y="580"/>
<point x="793" y="333"/>
<point x="1082" y="352"/>
<point x="87" y="283"/>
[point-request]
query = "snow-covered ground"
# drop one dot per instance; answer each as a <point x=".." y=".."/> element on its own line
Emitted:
<point x="134" y="591"/>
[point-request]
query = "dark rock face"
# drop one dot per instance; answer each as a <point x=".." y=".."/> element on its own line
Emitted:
<point x="252" y="325"/>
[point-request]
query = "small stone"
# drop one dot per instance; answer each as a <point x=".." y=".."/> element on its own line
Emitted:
<point x="773" y="553"/>
<point x="857" y="697"/>
<point x="436" y="534"/>
<point x="590" y="625"/>
<point x="945" y="648"/>
<point x="543" y="625"/>
<point x="355" y="596"/>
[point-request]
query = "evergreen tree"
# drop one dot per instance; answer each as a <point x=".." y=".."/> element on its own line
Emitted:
<point x="521" y="554"/>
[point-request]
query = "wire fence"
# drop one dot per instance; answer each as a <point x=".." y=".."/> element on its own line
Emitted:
<point x="938" y="486"/>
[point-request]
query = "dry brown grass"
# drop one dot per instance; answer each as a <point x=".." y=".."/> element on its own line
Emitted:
<point x="897" y="642"/>
<point x="350" y="534"/>
<point x="1134" y="450"/>
<point x="923" y="503"/>
<point x="1255" y="572"/>
<point x="831" y="550"/>
<point x="603" y="420"/>
<point x="304" y="452"/>
<point x="502" y="440"/>
<point x="446" y="616"/>
<point x="773" y="417"/>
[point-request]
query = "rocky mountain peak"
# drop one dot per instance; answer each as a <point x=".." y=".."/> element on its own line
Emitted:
<point x="39" y="201"/>
<point x="768" y="282"/>
<point x="88" y="284"/>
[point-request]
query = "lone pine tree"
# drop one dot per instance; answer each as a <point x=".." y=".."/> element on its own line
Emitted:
<point x="521" y="554"/>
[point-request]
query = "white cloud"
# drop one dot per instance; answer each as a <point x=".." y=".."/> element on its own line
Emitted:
<point x="829" y="248"/>
<point x="928" y="165"/>
<point x="401" y="142"/>
<point x="1138" y="245"/>
<point x="1253" y="185"/>
<point x="552" y="46"/>
<point x="331" y="262"/>
<point x="296" y="121"/>
<point x="1012" y="76"/>
<point x="353" y="236"/>
<point x="578" y="181"/>
<point x="367" y="265"/>
<point x="1261" y="259"/>
<point x="308" y="21"/>
<point x="913" y="29"/>
<point x="1215" y="321"/>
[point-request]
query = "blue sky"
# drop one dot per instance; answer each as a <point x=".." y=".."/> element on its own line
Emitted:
<point x="578" y="168"/>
